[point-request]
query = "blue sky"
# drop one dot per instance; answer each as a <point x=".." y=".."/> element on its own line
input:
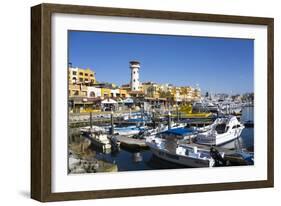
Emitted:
<point x="216" y="64"/>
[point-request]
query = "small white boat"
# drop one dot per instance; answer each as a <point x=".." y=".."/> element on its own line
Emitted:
<point x="223" y="130"/>
<point x="98" y="138"/>
<point x="135" y="115"/>
<point x="129" y="130"/>
<point x="167" y="146"/>
<point x="92" y="128"/>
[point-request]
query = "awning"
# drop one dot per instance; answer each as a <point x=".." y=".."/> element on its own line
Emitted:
<point x="128" y="101"/>
<point x="109" y="101"/>
<point x="178" y="131"/>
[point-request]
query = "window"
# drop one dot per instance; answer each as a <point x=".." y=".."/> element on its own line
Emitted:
<point x="91" y="75"/>
<point x="134" y="80"/>
<point x="134" y="88"/>
<point x="74" y="73"/>
<point x="86" y="74"/>
<point x="235" y="126"/>
<point x="76" y="93"/>
<point x="80" y="79"/>
<point x="81" y="73"/>
<point x="86" y="80"/>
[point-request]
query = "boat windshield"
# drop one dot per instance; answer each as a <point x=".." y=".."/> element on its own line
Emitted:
<point x="221" y="128"/>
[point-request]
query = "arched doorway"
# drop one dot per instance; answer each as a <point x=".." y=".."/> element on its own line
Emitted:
<point x="74" y="80"/>
<point x="92" y="94"/>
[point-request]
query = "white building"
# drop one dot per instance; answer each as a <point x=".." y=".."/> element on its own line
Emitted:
<point x="115" y="92"/>
<point x="135" y="82"/>
<point x="93" y="92"/>
<point x="73" y="74"/>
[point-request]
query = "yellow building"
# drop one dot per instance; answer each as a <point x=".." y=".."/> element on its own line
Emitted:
<point x="105" y="92"/>
<point x="123" y="93"/>
<point x="86" y="76"/>
<point x="197" y="94"/>
<point x="126" y="87"/>
<point x="150" y="89"/>
<point x="75" y="90"/>
<point x="81" y="76"/>
<point x="181" y="94"/>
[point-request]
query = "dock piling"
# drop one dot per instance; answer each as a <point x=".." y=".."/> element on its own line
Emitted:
<point x="169" y="121"/>
<point x="91" y="120"/>
<point x="178" y="115"/>
<point x="112" y="123"/>
<point x="153" y="119"/>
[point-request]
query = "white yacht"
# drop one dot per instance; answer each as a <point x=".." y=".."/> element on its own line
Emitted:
<point x="223" y="130"/>
<point x="170" y="146"/>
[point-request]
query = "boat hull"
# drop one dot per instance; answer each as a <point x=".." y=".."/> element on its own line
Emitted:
<point x="99" y="144"/>
<point x="179" y="159"/>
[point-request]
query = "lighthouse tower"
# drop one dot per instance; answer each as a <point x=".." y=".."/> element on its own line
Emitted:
<point x="135" y="82"/>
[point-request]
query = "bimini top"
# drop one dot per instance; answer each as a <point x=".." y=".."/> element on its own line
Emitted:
<point x="178" y="131"/>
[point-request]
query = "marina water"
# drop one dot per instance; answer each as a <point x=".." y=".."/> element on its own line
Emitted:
<point x="134" y="160"/>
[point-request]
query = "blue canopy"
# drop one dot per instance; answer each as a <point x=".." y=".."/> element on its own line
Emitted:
<point x="179" y="131"/>
<point x="137" y="120"/>
<point x="128" y="101"/>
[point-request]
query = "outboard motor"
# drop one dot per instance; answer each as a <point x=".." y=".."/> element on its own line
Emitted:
<point x="219" y="161"/>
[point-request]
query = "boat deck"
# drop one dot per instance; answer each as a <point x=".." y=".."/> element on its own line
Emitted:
<point x="131" y="142"/>
<point x="207" y="148"/>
